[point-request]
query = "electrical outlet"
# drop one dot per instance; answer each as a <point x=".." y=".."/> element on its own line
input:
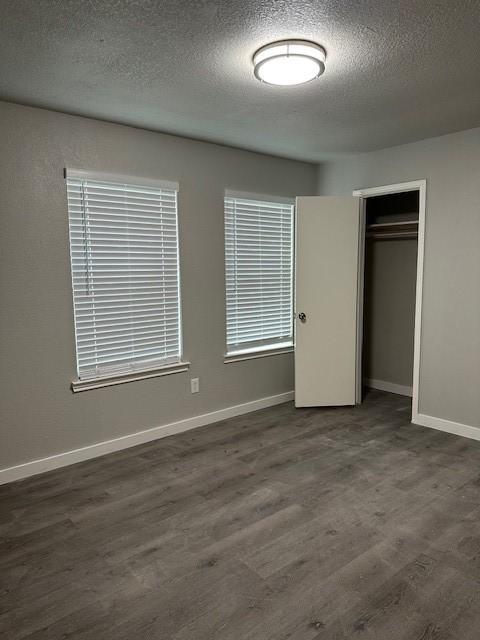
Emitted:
<point x="195" y="385"/>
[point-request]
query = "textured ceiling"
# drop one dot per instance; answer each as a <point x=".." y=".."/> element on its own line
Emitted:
<point x="397" y="70"/>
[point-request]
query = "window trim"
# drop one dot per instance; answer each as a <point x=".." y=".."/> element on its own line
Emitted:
<point x="271" y="349"/>
<point x="244" y="195"/>
<point x="142" y="373"/>
<point x="258" y="352"/>
<point x="101" y="176"/>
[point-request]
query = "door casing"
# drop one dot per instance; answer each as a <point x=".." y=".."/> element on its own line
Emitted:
<point x="421" y="187"/>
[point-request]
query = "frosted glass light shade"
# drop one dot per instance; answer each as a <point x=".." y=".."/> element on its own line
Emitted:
<point x="289" y="62"/>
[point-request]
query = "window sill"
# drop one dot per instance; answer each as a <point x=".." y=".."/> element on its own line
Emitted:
<point x="132" y="376"/>
<point x="252" y="354"/>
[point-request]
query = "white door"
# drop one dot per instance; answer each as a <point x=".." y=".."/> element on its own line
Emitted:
<point x="327" y="251"/>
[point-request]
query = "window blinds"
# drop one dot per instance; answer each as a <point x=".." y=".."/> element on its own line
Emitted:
<point x="125" y="274"/>
<point x="259" y="273"/>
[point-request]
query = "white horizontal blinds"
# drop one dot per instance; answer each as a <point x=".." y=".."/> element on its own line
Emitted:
<point x="259" y="266"/>
<point x="124" y="256"/>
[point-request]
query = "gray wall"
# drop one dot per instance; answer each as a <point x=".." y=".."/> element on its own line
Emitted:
<point x="450" y="353"/>
<point x="389" y="310"/>
<point x="39" y="414"/>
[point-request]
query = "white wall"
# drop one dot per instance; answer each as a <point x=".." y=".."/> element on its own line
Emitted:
<point x="450" y="353"/>
<point x="39" y="415"/>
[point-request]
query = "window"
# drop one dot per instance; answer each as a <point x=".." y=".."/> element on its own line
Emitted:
<point x="125" y="274"/>
<point x="259" y="274"/>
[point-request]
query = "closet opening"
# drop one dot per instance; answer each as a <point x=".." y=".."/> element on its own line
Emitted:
<point x="390" y="285"/>
<point x="391" y="237"/>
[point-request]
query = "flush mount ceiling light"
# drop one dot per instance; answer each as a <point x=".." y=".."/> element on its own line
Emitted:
<point x="289" y="62"/>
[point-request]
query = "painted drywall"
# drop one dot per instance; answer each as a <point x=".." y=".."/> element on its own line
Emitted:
<point x="389" y="310"/>
<point x="40" y="416"/>
<point x="450" y="341"/>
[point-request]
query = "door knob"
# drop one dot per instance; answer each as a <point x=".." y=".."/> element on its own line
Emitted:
<point x="302" y="317"/>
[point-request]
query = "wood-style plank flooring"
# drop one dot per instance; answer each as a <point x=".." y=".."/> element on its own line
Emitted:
<point x="313" y="524"/>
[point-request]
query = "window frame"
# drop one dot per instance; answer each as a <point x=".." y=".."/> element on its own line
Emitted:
<point x="142" y="372"/>
<point x="261" y="350"/>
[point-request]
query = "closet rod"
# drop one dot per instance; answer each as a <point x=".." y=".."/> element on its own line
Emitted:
<point x="402" y="224"/>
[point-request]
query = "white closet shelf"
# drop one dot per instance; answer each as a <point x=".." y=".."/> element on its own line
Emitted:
<point x="403" y="229"/>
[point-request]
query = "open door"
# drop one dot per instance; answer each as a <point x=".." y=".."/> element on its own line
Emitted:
<point x="327" y="293"/>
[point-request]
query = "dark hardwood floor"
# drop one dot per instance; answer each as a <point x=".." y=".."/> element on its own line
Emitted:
<point x="309" y="524"/>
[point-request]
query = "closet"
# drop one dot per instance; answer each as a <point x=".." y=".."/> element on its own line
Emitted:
<point x="391" y="240"/>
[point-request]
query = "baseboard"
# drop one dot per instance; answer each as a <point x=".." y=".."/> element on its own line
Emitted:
<point x="456" y="428"/>
<point x="34" y="467"/>
<point x="391" y="387"/>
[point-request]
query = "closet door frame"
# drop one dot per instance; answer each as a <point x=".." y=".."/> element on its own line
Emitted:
<point x="421" y="187"/>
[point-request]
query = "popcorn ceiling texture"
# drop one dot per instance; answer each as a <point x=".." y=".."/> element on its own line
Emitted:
<point x="396" y="71"/>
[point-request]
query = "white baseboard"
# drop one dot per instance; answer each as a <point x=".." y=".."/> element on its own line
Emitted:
<point x="34" y="467"/>
<point x="440" y="424"/>
<point x="391" y="387"/>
